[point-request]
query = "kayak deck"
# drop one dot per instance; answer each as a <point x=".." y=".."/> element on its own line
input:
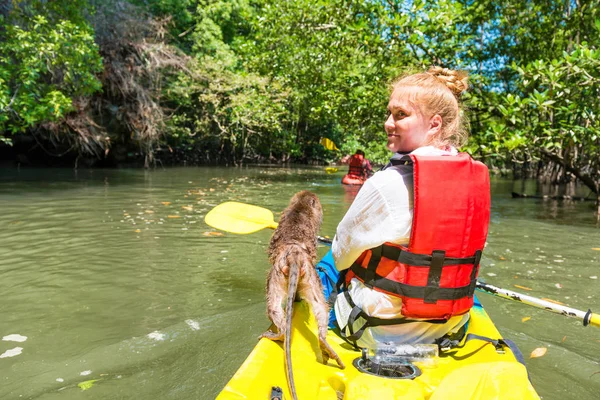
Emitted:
<point x="474" y="371"/>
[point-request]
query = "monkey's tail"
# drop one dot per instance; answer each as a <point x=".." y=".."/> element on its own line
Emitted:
<point x="294" y="275"/>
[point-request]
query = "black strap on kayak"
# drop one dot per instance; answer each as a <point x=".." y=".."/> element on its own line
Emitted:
<point x="499" y="344"/>
<point x="446" y="344"/>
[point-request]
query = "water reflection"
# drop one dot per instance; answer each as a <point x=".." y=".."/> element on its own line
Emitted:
<point x="350" y="192"/>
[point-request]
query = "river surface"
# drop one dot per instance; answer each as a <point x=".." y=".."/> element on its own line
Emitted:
<point x="111" y="281"/>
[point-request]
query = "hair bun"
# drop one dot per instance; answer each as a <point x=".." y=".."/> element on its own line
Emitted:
<point x="456" y="81"/>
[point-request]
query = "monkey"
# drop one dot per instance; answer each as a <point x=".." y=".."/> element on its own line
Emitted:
<point x="292" y="254"/>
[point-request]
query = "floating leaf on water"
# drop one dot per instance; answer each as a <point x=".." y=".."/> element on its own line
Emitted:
<point x="593" y="277"/>
<point x="553" y="301"/>
<point x="173" y="216"/>
<point x="597" y="372"/>
<point x="165" y="203"/>
<point x="137" y="230"/>
<point x="85" y="385"/>
<point x="188" y="208"/>
<point x="149" y="212"/>
<point x="212" y="234"/>
<point x="211" y="190"/>
<point x="523" y="287"/>
<point x="539" y="352"/>
<point x="596" y="248"/>
<point x="525" y="319"/>
<point x="564" y="338"/>
<point x="502" y="258"/>
<point x="558" y="286"/>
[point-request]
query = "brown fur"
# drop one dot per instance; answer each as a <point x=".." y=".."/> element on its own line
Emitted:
<point x="293" y="252"/>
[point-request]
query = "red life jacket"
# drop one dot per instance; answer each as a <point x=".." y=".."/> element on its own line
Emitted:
<point x="435" y="275"/>
<point x="356" y="166"/>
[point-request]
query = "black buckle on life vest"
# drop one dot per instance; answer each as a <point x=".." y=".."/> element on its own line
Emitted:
<point x="434" y="276"/>
<point x="354" y="335"/>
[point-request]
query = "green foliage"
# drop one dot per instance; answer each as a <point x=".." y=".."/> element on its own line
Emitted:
<point x="266" y="79"/>
<point x="242" y="113"/>
<point x="558" y="113"/>
<point x="44" y="63"/>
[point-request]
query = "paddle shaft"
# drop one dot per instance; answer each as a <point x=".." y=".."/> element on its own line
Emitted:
<point x="587" y="317"/>
<point x="324" y="240"/>
<point x="244" y="218"/>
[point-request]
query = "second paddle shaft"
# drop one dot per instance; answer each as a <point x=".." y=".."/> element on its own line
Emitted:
<point x="587" y="317"/>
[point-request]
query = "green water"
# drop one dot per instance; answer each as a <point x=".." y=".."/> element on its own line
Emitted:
<point x="111" y="276"/>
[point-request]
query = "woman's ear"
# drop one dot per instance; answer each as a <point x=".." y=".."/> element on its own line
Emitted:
<point x="435" y="125"/>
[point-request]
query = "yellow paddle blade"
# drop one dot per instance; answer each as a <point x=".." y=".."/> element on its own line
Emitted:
<point x="595" y="320"/>
<point x="328" y="144"/>
<point x="240" y="218"/>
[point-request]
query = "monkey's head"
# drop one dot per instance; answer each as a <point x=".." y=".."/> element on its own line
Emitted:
<point x="308" y="203"/>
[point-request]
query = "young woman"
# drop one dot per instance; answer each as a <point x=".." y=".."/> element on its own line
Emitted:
<point x="404" y="283"/>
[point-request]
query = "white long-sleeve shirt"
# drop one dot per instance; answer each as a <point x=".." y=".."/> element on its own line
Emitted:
<point x="382" y="212"/>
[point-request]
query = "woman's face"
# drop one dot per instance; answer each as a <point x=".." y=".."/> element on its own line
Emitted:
<point x="406" y="127"/>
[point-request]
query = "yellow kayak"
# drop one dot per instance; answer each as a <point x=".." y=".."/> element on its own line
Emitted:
<point x="473" y="370"/>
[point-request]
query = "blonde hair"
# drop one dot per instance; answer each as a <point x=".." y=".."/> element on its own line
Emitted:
<point x="438" y="92"/>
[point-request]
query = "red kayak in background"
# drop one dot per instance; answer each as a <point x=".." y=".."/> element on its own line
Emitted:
<point x="350" y="179"/>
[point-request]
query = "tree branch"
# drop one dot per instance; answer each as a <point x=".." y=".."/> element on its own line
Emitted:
<point x="585" y="178"/>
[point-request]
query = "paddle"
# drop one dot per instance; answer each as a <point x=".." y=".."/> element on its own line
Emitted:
<point x="588" y="317"/>
<point x="243" y="218"/>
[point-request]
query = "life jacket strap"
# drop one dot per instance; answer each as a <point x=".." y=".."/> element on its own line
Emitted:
<point x="422" y="260"/>
<point x="370" y="322"/>
<point x="430" y="293"/>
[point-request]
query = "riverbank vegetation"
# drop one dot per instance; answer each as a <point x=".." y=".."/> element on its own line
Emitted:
<point x="238" y="81"/>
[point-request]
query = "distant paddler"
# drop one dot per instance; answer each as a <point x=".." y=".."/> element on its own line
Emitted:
<point x="359" y="169"/>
